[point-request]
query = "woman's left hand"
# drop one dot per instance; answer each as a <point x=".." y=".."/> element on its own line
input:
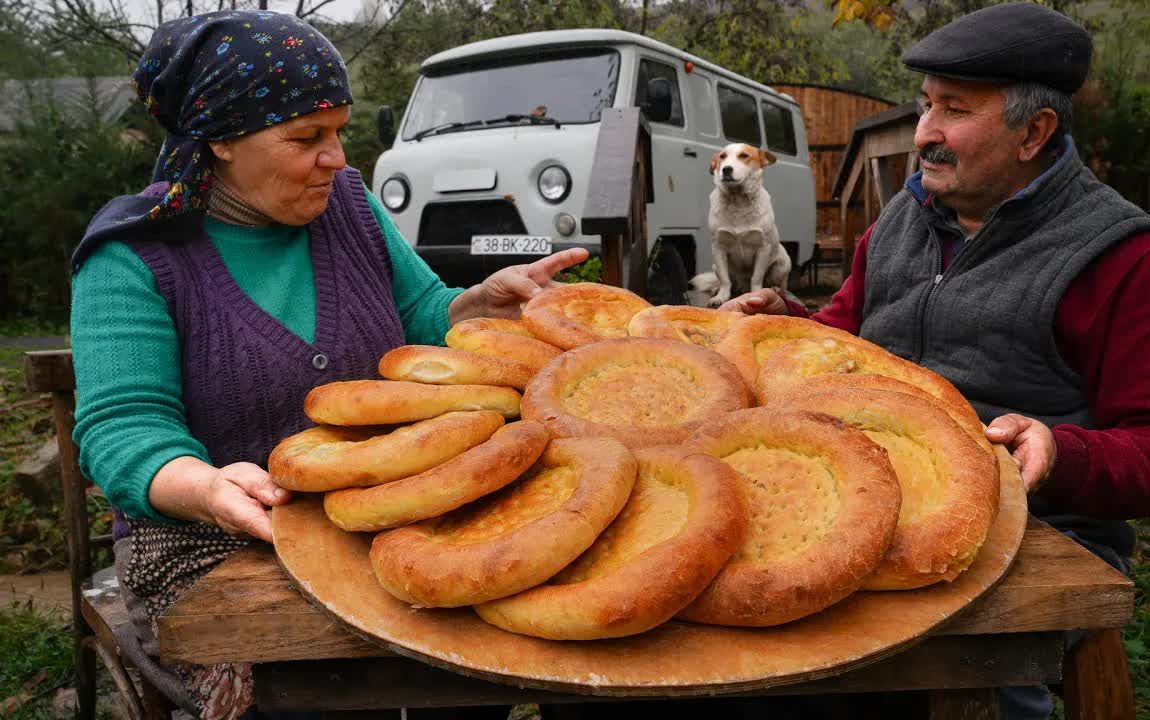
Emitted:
<point x="504" y="292"/>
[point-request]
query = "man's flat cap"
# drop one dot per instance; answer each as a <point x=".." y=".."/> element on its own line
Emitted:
<point x="1015" y="42"/>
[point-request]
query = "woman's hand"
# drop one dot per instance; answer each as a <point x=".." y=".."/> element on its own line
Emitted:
<point x="504" y="292"/>
<point x="760" y="302"/>
<point x="1030" y="443"/>
<point x="235" y="497"/>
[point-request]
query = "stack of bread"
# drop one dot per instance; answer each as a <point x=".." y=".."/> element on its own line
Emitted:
<point x="661" y="462"/>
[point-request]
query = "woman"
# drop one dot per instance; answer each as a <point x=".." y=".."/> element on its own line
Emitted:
<point x="255" y="267"/>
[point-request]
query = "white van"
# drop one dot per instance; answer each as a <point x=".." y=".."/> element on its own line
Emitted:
<point x="491" y="163"/>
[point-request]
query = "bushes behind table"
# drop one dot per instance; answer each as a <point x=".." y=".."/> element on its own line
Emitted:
<point x="56" y="170"/>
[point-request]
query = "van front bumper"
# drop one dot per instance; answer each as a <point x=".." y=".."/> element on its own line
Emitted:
<point x="457" y="267"/>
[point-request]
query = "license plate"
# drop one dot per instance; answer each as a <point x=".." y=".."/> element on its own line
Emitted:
<point x="510" y="245"/>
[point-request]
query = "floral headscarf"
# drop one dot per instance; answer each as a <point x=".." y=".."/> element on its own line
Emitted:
<point x="217" y="76"/>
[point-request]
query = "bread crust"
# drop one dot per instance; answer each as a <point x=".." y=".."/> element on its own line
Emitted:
<point x="387" y="402"/>
<point x="472" y="474"/>
<point x="331" y="458"/>
<point x="937" y="545"/>
<point x="501" y="338"/>
<point x="684" y="384"/>
<point x="700" y="326"/>
<point x="568" y="316"/>
<point x="447" y="366"/>
<point x="649" y="587"/>
<point x="757" y="591"/>
<point x="741" y="343"/>
<point x="422" y="565"/>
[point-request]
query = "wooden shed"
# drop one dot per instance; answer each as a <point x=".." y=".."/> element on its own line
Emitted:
<point x="878" y="159"/>
<point x="830" y="115"/>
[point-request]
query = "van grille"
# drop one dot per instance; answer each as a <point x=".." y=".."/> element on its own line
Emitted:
<point x="454" y="223"/>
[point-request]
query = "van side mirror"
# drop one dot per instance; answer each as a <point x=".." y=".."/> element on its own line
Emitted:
<point x="658" y="102"/>
<point x="385" y="125"/>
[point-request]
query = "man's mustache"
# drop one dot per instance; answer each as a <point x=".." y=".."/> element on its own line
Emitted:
<point x="938" y="154"/>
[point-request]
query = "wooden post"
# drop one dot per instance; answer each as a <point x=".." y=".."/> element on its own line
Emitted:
<point x="1096" y="680"/>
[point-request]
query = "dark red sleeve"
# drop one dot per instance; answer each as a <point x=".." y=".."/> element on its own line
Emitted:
<point x="1102" y="326"/>
<point x="844" y="311"/>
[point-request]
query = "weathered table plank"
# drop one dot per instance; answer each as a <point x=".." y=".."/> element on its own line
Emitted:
<point x="247" y="611"/>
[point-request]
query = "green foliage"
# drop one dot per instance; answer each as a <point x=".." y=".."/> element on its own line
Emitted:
<point x="32" y="641"/>
<point x="590" y="270"/>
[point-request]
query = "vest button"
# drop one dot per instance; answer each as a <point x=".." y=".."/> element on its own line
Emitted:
<point x="319" y="361"/>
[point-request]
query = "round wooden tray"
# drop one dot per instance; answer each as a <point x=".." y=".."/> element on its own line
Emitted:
<point x="331" y="568"/>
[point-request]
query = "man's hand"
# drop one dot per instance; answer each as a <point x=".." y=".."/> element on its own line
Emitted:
<point x="504" y="292"/>
<point x="760" y="302"/>
<point x="1030" y="443"/>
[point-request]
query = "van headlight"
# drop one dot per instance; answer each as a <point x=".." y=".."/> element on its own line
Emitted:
<point x="554" y="183"/>
<point x="395" y="194"/>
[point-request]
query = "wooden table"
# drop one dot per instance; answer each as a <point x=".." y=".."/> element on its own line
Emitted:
<point x="247" y="611"/>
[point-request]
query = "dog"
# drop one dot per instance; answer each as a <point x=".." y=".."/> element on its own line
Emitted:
<point x="745" y="245"/>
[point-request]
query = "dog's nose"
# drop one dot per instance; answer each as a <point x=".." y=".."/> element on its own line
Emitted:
<point x="728" y="171"/>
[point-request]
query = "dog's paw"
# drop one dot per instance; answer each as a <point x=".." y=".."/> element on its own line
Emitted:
<point x="720" y="298"/>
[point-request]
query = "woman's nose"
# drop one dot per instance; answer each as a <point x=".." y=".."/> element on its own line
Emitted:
<point x="333" y="156"/>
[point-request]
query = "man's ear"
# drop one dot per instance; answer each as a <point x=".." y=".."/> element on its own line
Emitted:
<point x="222" y="149"/>
<point x="715" y="161"/>
<point x="1039" y="128"/>
<point x="766" y="157"/>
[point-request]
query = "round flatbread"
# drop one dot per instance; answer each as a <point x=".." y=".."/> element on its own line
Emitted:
<point x="949" y="484"/>
<point x="472" y="474"/>
<point x="700" y="326"/>
<point x="330" y="458"/>
<point x="823" y="501"/>
<point x="643" y="391"/>
<point x="500" y="338"/>
<point x="515" y="538"/>
<point x="568" y="316"/>
<point x="447" y="366"/>
<point x="686" y="516"/>
<point x="751" y="340"/>
<point x="386" y="402"/>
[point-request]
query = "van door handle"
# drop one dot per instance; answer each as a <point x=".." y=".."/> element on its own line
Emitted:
<point x="690" y="152"/>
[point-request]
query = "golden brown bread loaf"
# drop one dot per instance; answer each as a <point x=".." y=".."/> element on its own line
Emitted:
<point x="515" y="538"/>
<point x="949" y="484"/>
<point x="686" y="515"/>
<point x="387" y="402"/>
<point x="643" y="391"/>
<point x="823" y="507"/>
<point x="700" y="326"/>
<point x="447" y="366"/>
<point x="501" y="338"/>
<point x="458" y="480"/>
<point x="568" y="316"/>
<point x="330" y="458"/>
<point x="751" y="340"/>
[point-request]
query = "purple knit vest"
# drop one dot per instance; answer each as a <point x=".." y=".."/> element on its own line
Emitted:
<point x="245" y="375"/>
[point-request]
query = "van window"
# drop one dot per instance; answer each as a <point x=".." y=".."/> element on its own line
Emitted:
<point x="740" y="116"/>
<point x="649" y="70"/>
<point x="703" y="95"/>
<point x="779" y="124"/>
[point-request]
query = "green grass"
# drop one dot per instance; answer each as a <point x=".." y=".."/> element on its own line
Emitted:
<point x="1137" y="634"/>
<point x="33" y="641"/>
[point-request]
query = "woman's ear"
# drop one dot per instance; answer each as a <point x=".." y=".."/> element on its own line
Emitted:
<point x="222" y="149"/>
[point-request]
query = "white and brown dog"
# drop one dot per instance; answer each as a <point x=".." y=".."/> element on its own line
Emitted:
<point x="745" y="245"/>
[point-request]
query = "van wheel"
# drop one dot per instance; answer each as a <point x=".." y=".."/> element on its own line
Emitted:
<point x="667" y="280"/>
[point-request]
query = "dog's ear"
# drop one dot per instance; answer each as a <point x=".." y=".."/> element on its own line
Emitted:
<point x="715" y="161"/>
<point x="766" y="157"/>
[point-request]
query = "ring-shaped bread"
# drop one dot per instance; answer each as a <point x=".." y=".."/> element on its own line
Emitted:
<point x="447" y="366"/>
<point x="701" y="326"/>
<point x="501" y="338"/>
<point x="685" y="518"/>
<point x="949" y="484"/>
<point x="643" y="391"/>
<point x="387" y="402"/>
<point x="568" y="316"/>
<point x="823" y="502"/>
<point x="794" y="361"/>
<point x="514" y="538"/>
<point x="963" y="413"/>
<point x="472" y="474"/>
<point x="751" y="340"/>
<point x="331" y="458"/>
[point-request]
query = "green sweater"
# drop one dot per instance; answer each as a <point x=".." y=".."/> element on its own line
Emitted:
<point x="129" y="408"/>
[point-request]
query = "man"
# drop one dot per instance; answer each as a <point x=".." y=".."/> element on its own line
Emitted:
<point x="1007" y="267"/>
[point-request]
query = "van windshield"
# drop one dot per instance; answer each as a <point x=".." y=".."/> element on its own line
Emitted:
<point x="570" y="88"/>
